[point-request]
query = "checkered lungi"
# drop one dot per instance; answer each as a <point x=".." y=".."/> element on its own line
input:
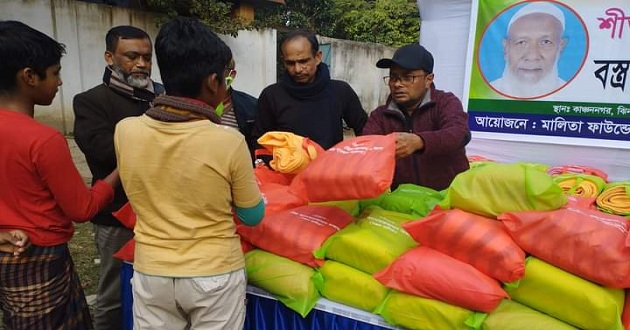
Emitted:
<point x="40" y="290"/>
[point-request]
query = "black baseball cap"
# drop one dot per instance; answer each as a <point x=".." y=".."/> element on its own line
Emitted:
<point x="410" y="57"/>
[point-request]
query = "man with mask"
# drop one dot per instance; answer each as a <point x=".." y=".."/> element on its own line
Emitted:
<point x="127" y="90"/>
<point x="306" y="101"/>
<point x="531" y="50"/>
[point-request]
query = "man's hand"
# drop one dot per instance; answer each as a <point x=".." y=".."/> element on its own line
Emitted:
<point x="407" y="144"/>
<point x="14" y="241"/>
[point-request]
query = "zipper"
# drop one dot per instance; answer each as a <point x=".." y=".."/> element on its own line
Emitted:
<point x="408" y="126"/>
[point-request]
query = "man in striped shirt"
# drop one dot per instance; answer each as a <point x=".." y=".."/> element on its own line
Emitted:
<point x="239" y="109"/>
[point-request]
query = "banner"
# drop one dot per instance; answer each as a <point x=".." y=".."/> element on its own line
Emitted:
<point x="550" y="71"/>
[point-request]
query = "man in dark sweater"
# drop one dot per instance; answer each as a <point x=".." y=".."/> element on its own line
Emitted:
<point x="127" y="90"/>
<point x="306" y="101"/>
<point x="430" y="125"/>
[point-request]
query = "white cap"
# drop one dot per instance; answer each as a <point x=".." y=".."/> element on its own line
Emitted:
<point x="538" y="7"/>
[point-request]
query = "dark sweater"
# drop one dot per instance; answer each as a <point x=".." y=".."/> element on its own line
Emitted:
<point x="442" y="124"/>
<point x="314" y="111"/>
<point x="97" y="111"/>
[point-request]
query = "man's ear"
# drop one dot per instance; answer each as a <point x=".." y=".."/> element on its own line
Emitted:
<point x="429" y="80"/>
<point x="563" y="43"/>
<point x="318" y="57"/>
<point x="27" y="77"/>
<point x="212" y="83"/>
<point x="109" y="58"/>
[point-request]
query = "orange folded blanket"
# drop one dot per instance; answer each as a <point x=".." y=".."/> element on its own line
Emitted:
<point x="615" y="198"/>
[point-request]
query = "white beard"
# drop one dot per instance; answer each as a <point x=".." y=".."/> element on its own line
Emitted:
<point x="511" y="85"/>
<point x="131" y="80"/>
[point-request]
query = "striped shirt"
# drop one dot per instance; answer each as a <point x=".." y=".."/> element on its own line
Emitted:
<point x="228" y="117"/>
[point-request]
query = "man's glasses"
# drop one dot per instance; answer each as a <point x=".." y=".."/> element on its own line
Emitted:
<point x="407" y="79"/>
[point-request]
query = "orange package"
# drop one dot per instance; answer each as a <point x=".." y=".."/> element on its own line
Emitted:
<point x="278" y="197"/>
<point x="587" y="243"/>
<point x="295" y="234"/>
<point x="428" y="273"/>
<point x="126" y="216"/>
<point x="625" y="317"/>
<point x="126" y="252"/>
<point x="474" y="239"/>
<point x="246" y="246"/>
<point x="357" y="168"/>
<point x="265" y="175"/>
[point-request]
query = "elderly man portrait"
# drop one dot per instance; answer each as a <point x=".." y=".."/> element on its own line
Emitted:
<point x="531" y="50"/>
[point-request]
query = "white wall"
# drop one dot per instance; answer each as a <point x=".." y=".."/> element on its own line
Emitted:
<point x="355" y="63"/>
<point x="82" y="27"/>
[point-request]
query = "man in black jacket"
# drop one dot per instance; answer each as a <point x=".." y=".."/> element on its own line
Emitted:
<point x="127" y="90"/>
<point x="239" y="109"/>
<point x="307" y="101"/>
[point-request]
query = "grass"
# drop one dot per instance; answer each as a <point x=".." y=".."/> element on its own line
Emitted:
<point x="83" y="251"/>
<point x="82" y="246"/>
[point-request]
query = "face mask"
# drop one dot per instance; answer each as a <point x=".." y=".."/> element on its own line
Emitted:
<point x="219" y="109"/>
<point x="228" y="82"/>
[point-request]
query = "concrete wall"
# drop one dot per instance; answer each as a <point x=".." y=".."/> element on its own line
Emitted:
<point x="355" y="63"/>
<point x="82" y="27"/>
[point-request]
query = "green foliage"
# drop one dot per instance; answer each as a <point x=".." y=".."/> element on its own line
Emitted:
<point x="388" y="22"/>
<point x="213" y="13"/>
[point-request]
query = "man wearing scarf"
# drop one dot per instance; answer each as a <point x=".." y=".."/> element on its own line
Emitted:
<point x="127" y="90"/>
<point x="306" y="101"/>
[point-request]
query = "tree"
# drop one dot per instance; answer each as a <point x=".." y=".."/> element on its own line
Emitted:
<point x="214" y="13"/>
<point x="389" y="22"/>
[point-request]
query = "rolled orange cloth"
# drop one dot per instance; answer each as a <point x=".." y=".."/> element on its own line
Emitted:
<point x="615" y="198"/>
<point x="291" y="152"/>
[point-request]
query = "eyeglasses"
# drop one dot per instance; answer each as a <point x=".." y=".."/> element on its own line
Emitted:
<point x="407" y="79"/>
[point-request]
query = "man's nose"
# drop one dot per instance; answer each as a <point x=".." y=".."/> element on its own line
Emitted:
<point x="533" y="52"/>
<point x="140" y="62"/>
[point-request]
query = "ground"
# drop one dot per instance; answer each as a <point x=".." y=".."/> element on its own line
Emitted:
<point x="82" y="246"/>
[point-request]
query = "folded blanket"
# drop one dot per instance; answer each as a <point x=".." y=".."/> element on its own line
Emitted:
<point x="291" y="152"/>
<point x="582" y="185"/>
<point x="615" y="198"/>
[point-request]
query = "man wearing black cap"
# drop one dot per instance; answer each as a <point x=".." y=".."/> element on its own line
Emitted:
<point x="431" y="126"/>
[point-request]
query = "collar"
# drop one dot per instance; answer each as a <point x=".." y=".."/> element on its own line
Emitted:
<point x="392" y="106"/>
<point x="308" y="91"/>
<point x="114" y="81"/>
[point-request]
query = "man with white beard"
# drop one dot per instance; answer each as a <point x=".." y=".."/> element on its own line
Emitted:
<point x="127" y="90"/>
<point x="531" y="51"/>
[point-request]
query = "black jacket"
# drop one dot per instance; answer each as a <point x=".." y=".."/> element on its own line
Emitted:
<point x="97" y="111"/>
<point x="315" y="110"/>
<point x="245" y="107"/>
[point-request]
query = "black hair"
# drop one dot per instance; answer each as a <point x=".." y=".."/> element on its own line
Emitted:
<point x="187" y="53"/>
<point x="301" y="33"/>
<point x="123" y="32"/>
<point x="21" y="47"/>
